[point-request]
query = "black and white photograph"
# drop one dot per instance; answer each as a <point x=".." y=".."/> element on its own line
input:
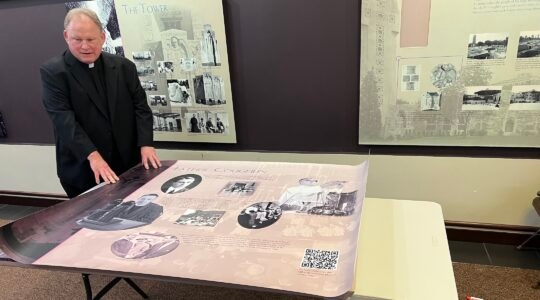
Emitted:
<point x="222" y="122"/>
<point x="210" y="125"/>
<point x="195" y="122"/>
<point x="142" y="55"/>
<point x="209" y="89"/>
<point x="305" y="194"/>
<point x="209" y="47"/>
<point x="430" y="101"/>
<point x="410" y="78"/>
<point x="207" y="122"/>
<point x="176" y="38"/>
<point x="239" y="188"/>
<point x="216" y="122"/>
<point x="195" y="217"/>
<point x="119" y="214"/>
<point x="144" y="245"/>
<point x="487" y="45"/>
<point x="180" y="184"/>
<point x="149" y="85"/>
<point x="312" y="197"/>
<point x="179" y="93"/>
<point x="157" y="100"/>
<point x="482" y="98"/>
<point x="529" y="44"/>
<point x="165" y="67"/>
<point x="525" y="97"/>
<point x="188" y="64"/>
<point x="336" y="204"/>
<point x="259" y="215"/>
<point x="443" y="75"/>
<point x="180" y="51"/>
<point x="144" y="68"/>
<point x="106" y="11"/>
<point x="166" y="121"/>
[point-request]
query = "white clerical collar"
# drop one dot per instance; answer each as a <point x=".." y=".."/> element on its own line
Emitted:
<point x="90" y="66"/>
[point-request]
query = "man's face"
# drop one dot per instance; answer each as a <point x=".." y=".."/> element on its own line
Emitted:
<point x="183" y="182"/>
<point x="84" y="38"/>
<point x="144" y="200"/>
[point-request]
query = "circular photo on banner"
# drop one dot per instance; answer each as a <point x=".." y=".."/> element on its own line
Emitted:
<point x="144" y="245"/>
<point x="259" y="215"/>
<point x="180" y="184"/>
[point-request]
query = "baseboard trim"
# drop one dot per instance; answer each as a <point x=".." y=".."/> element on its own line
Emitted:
<point x="31" y="199"/>
<point x="491" y="233"/>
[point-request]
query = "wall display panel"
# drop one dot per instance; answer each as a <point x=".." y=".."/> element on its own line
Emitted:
<point x="427" y="78"/>
<point x="180" y="52"/>
<point x="283" y="98"/>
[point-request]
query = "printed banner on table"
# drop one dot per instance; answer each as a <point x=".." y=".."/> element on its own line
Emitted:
<point x="286" y="226"/>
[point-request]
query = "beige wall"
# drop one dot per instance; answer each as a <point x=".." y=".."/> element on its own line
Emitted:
<point x="483" y="190"/>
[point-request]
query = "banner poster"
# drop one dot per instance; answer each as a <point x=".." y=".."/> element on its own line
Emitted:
<point x="180" y="51"/>
<point x="285" y="227"/>
<point x="450" y="73"/>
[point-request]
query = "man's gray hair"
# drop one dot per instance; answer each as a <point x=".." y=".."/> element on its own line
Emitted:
<point x="82" y="11"/>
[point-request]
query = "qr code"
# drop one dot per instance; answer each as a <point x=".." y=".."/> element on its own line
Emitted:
<point x="320" y="259"/>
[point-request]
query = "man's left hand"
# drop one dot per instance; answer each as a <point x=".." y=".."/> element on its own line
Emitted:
<point x="149" y="157"/>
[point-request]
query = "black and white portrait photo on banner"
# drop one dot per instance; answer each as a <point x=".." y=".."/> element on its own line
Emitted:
<point x="180" y="184"/>
<point x="119" y="215"/>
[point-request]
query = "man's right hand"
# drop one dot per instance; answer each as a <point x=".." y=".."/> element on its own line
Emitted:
<point x="101" y="168"/>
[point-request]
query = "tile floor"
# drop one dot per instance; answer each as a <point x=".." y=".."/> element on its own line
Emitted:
<point x="494" y="254"/>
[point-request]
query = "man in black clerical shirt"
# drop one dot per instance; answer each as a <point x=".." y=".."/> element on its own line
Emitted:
<point x="102" y="122"/>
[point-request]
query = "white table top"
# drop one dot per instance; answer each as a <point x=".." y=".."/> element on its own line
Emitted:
<point x="403" y="252"/>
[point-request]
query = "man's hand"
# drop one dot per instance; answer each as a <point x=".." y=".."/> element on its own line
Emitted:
<point x="148" y="155"/>
<point x="101" y="168"/>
